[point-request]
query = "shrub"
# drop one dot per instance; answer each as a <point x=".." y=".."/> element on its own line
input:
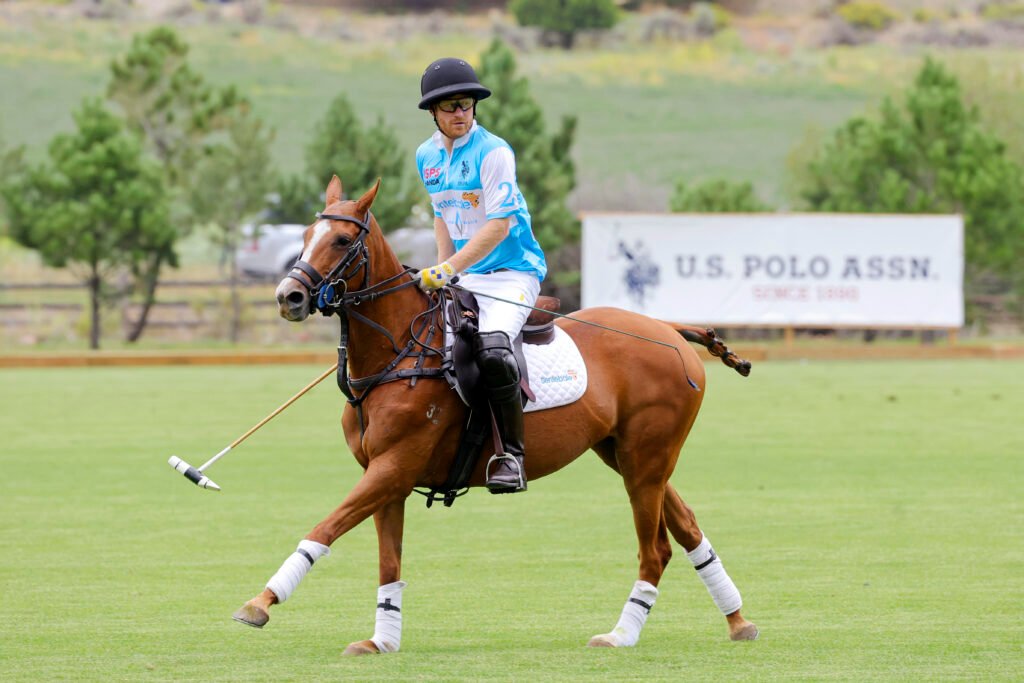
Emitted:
<point x="716" y="196"/>
<point x="925" y="15"/>
<point x="565" y="17"/>
<point x="709" y="19"/>
<point x="1004" y="11"/>
<point x="868" y="14"/>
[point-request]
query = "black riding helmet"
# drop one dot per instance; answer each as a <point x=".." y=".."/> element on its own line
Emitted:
<point x="449" y="76"/>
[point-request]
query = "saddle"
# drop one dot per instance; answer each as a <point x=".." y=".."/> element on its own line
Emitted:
<point x="462" y="313"/>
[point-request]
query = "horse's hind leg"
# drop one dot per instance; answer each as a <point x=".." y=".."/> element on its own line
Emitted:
<point x="645" y="480"/>
<point x="387" y="635"/>
<point x="683" y="525"/>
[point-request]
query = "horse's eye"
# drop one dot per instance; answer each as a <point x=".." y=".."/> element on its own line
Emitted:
<point x="342" y="242"/>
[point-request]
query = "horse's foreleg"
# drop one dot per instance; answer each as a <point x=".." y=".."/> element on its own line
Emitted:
<point x="683" y="525"/>
<point x="385" y="481"/>
<point x="387" y="634"/>
<point x="655" y="553"/>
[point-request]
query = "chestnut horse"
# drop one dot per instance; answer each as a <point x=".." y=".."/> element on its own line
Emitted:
<point x="639" y="406"/>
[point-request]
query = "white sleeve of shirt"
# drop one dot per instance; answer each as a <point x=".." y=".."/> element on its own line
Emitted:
<point x="498" y="177"/>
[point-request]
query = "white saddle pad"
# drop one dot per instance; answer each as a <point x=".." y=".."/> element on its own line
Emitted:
<point x="558" y="375"/>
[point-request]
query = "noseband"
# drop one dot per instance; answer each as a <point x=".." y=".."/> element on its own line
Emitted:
<point x="322" y="289"/>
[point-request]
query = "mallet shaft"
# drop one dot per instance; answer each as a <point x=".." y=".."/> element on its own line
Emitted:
<point x="274" y="414"/>
<point x="196" y="474"/>
<point x="213" y="459"/>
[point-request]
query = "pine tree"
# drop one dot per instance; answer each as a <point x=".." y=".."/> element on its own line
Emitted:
<point x="97" y="205"/>
<point x="176" y="113"/>
<point x="229" y="188"/>
<point x="544" y="166"/>
<point x="341" y="146"/>
<point x="930" y="155"/>
<point x="12" y="163"/>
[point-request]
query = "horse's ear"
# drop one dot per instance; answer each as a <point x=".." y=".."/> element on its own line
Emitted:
<point x="364" y="202"/>
<point x="333" y="191"/>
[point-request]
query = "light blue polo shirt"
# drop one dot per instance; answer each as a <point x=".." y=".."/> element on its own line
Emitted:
<point x="475" y="183"/>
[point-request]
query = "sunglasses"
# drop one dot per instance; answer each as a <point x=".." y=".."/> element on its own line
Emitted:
<point x="463" y="103"/>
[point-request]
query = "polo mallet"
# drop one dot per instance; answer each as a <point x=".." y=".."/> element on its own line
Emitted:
<point x="196" y="474"/>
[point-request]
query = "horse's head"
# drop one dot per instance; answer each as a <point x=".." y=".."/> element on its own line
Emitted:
<point x="334" y="253"/>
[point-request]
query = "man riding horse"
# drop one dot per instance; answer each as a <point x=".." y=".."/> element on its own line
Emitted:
<point x="484" y="236"/>
<point x="403" y="421"/>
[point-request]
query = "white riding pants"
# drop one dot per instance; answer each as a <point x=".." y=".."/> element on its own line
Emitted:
<point x="512" y="285"/>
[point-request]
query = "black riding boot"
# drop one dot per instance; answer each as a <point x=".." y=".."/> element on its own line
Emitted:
<point x="500" y="374"/>
<point x="506" y="473"/>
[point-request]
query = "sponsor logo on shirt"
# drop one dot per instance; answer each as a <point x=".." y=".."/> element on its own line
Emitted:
<point x="472" y="197"/>
<point x="432" y="176"/>
<point x="464" y="170"/>
<point x="456" y="203"/>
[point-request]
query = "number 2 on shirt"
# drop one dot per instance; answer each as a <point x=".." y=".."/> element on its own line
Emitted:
<point x="509" y="200"/>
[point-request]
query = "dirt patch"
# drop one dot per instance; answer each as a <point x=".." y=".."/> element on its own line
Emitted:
<point x="751" y="352"/>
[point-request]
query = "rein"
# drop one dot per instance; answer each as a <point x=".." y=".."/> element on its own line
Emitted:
<point x="586" y="322"/>
<point x="330" y="295"/>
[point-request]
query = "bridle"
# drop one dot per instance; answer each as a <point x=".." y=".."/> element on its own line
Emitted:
<point x="323" y="294"/>
<point x="330" y="295"/>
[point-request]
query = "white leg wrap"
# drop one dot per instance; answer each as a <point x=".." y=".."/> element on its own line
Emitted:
<point x="298" y="564"/>
<point x="710" y="570"/>
<point x="387" y="634"/>
<point x="634" y="615"/>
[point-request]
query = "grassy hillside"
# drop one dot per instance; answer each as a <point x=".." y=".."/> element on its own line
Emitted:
<point x="647" y="114"/>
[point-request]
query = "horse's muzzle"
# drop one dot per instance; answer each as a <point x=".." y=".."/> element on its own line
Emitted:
<point x="292" y="300"/>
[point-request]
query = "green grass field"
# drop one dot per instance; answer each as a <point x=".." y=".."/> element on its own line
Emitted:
<point x="869" y="512"/>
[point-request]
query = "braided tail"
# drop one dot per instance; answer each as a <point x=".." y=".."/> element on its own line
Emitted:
<point x="707" y="338"/>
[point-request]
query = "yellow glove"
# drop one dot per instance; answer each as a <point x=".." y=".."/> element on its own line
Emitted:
<point x="437" y="276"/>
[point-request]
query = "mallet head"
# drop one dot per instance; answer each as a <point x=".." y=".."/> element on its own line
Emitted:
<point x="192" y="474"/>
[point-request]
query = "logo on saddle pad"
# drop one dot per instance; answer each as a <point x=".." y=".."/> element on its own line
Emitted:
<point x="472" y="197"/>
<point x="569" y="375"/>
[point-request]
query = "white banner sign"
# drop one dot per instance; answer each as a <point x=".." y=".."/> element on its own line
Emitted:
<point x="778" y="269"/>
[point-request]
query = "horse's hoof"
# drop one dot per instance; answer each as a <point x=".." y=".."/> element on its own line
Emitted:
<point x="746" y="632"/>
<point x="363" y="647"/>
<point x="603" y="640"/>
<point x="251" y="615"/>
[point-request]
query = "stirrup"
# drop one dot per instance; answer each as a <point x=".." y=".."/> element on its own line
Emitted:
<point x="501" y="487"/>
